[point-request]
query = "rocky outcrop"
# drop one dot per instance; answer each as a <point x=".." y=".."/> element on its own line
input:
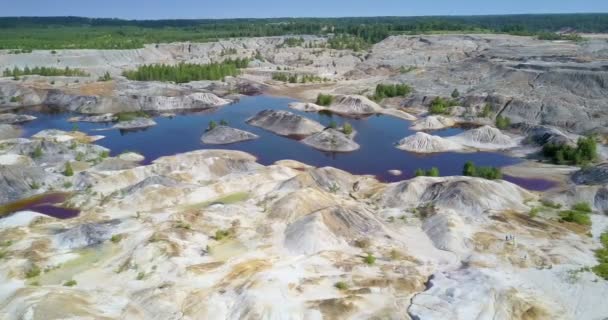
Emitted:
<point x="135" y="124"/>
<point x="226" y="135"/>
<point x="8" y="131"/>
<point x="306" y="107"/>
<point x="485" y="137"/>
<point x="108" y="117"/>
<point x="285" y="123"/>
<point x="331" y="140"/>
<point x="11" y="118"/>
<point x="353" y="105"/>
<point x="425" y="143"/>
<point x="433" y="123"/>
<point x="592" y="175"/>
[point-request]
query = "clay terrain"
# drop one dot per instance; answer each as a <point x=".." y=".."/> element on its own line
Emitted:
<point x="215" y="234"/>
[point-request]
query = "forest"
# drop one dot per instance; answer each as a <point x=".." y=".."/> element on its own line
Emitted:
<point x="27" y="33"/>
<point x="186" y="72"/>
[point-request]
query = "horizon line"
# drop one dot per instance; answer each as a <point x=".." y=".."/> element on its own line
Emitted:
<point x="311" y="17"/>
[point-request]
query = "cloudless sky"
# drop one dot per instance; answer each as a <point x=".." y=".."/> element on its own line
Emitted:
<point x="158" y="9"/>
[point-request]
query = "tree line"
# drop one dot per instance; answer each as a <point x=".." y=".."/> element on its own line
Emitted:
<point x="44" y="71"/>
<point x="74" y="32"/>
<point x="186" y="72"/>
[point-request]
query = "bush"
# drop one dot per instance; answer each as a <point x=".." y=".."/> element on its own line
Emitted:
<point x="324" y="99"/>
<point x="68" y="171"/>
<point x="70" y="283"/>
<point x="332" y="125"/>
<point x="37" y="153"/>
<point x="490" y="173"/>
<point x="390" y="91"/>
<point x="574" y="216"/>
<point x="503" y="123"/>
<point x="34" y="271"/>
<point x="534" y="212"/>
<point x="433" y="172"/>
<point x="131" y="115"/>
<point x="455" y="94"/>
<point x="212" y="125"/>
<point x="602" y="256"/>
<point x="116" y="238"/>
<point x="582" y="207"/>
<point x="106" y="77"/>
<point x="486" y="112"/>
<point x="369" y="259"/>
<point x="442" y="106"/>
<point x="347" y="128"/>
<point x="341" y="285"/>
<point x="584" y="152"/>
<point x="221" y="234"/>
<point x="550" y="204"/>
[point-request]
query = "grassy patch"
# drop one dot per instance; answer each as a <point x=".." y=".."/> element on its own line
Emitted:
<point x="579" y="214"/>
<point x="131" y="115"/>
<point x="341" y="285"/>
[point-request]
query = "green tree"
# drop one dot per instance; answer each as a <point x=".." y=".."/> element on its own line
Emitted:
<point x="347" y="128"/>
<point x="455" y="94"/>
<point x="68" y="171"/>
<point x="212" y="125"/>
<point x="469" y="169"/>
<point x="324" y="99"/>
<point x="503" y="123"/>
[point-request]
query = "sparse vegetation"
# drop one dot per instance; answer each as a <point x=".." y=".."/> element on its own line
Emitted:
<point x="442" y="106"/>
<point x="131" y="115"/>
<point x="503" y="123"/>
<point x="578" y="213"/>
<point x="212" y="125"/>
<point x="332" y="125"/>
<point x="37" y="153"/>
<point x="490" y="173"/>
<point x="141" y="275"/>
<point x="585" y="152"/>
<point x="391" y="90"/>
<point x="486" y="111"/>
<point x="33" y="272"/>
<point x="106" y="77"/>
<point x="602" y="257"/>
<point x="324" y="99"/>
<point x="433" y="172"/>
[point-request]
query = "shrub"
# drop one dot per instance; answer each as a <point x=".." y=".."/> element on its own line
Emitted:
<point x="420" y="173"/>
<point x="332" y="125"/>
<point x="341" y="285"/>
<point x="68" y="171"/>
<point x="442" y="106"/>
<point x="550" y="204"/>
<point x="486" y="112"/>
<point x="141" y="275"/>
<point x="221" y="234"/>
<point x="534" y="212"/>
<point x="35" y="186"/>
<point x="434" y="172"/>
<point x="116" y="238"/>
<point x="104" y="154"/>
<point x="369" y="259"/>
<point x="390" y="91"/>
<point x="106" y="77"/>
<point x="324" y="99"/>
<point x="128" y="116"/>
<point x="34" y="271"/>
<point x="574" y="216"/>
<point x="79" y="156"/>
<point x="503" y="122"/>
<point x="582" y="207"/>
<point x="223" y="122"/>
<point x="602" y="256"/>
<point x="490" y="173"/>
<point x="455" y="94"/>
<point x="584" y="152"/>
<point x="347" y="128"/>
<point x="70" y="283"/>
<point x="212" y="125"/>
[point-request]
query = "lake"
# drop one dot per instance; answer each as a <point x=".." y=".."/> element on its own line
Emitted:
<point x="377" y="136"/>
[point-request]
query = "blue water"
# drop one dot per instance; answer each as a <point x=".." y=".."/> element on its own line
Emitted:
<point x="376" y="135"/>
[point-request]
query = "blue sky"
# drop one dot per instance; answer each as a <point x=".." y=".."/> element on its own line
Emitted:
<point x="157" y="9"/>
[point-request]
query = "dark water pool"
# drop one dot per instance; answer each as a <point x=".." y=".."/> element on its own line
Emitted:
<point x="376" y="135"/>
<point x="44" y="203"/>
